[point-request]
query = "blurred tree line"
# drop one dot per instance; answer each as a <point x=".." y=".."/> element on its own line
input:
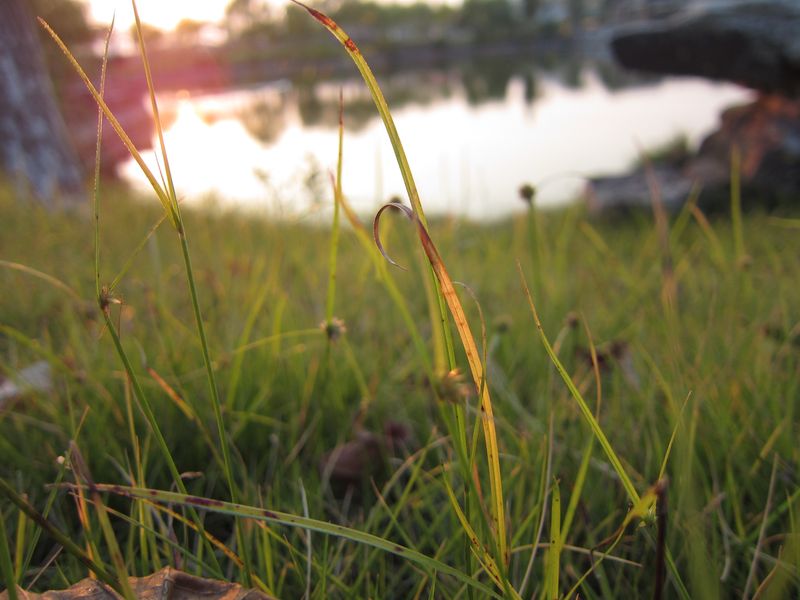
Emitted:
<point x="257" y="22"/>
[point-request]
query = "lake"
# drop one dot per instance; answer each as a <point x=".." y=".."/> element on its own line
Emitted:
<point x="472" y="137"/>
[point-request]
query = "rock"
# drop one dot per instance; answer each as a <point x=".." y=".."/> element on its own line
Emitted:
<point x="756" y="44"/>
<point x="767" y="135"/>
<point x="36" y="377"/>
<point x="633" y="190"/>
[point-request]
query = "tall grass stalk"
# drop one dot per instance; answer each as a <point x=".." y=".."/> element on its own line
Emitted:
<point x="624" y="478"/>
<point x="201" y="330"/>
<point x="736" y="203"/>
<point x="170" y="203"/>
<point x="446" y="294"/>
<point x="337" y="202"/>
<point x="6" y="566"/>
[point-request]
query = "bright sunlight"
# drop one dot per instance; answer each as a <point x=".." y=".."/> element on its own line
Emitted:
<point x="158" y="13"/>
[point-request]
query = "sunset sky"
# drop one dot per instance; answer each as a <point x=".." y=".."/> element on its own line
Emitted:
<point x="164" y="14"/>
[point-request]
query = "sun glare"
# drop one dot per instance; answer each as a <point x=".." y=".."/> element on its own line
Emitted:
<point x="164" y="14"/>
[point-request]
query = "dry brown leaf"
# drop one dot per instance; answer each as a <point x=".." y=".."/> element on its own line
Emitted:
<point x="166" y="584"/>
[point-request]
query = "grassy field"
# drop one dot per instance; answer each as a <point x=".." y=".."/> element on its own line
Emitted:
<point x="717" y="364"/>
<point x="549" y="406"/>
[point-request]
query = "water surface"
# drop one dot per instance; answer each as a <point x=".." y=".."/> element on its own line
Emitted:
<point x="471" y="140"/>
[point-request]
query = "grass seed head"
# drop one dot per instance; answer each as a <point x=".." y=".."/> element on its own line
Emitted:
<point x="334" y="329"/>
<point x="453" y="387"/>
<point x="527" y="193"/>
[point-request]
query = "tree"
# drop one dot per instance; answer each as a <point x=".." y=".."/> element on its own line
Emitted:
<point x="243" y="15"/>
<point x="152" y="35"/>
<point x="35" y="149"/>
<point x="188" y="31"/>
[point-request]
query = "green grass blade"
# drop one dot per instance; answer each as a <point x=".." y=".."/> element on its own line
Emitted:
<point x="97" y="160"/>
<point x="736" y="203"/>
<point x="6" y="566"/>
<point x="553" y="561"/>
<point x="585" y="410"/>
<point x="82" y="476"/>
<point x="156" y="118"/>
<point x="485" y="559"/>
<point x="19" y="549"/>
<point x="69" y="546"/>
<point x="53" y="281"/>
<point x="251" y="512"/>
<point x="174" y="210"/>
<point x="115" y="124"/>
<point x="337" y="202"/>
<point x="574" y="498"/>
<point x="380" y="103"/>
<point x="667" y="453"/>
<point x="139" y="247"/>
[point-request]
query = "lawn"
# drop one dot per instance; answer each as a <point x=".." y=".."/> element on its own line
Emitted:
<point x="707" y="350"/>
<point x="553" y="405"/>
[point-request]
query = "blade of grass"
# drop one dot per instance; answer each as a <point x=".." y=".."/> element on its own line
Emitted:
<point x="476" y="368"/>
<point x="201" y="331"/>
<point x="337" y="196"/>
<point x="156" y="118"/>
<point x="380" y="103"/>
<point x="115" y="124"/>
<point x="440" y="325"/>
<point x="736" y="203"/>
<point x="580" y="480"/>
<point x="83" y="477"/>
<point x="751" y="575"/>
<point x="290" y="520"/>
<point x="6" y="567"/>
<point x="55" y="282"/>
<point x="553" y="560"/>
<point x="587" y="413"/>
<point x="129" y="262"/>
<point x="103" y="297"/>
<point x="19" y="547"/>
<point x="484" y="558"/>
<point x="69" y="546"/>
<point x="543" y="505"/>
<point x="97" y="160"/>
<point x="663" y="468"/>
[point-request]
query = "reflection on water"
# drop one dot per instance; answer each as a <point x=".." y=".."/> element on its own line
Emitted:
<point x="472" y="136"/>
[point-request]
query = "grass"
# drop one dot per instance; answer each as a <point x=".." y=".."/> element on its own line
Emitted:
<point x="737" y="355"/>
<point x="208" y="372"/>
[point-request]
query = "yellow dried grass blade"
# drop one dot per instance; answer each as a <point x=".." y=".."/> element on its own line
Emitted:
<point x="446" y="285"/>
<point x="448" y="292"/>
<point x="486" y="560"/>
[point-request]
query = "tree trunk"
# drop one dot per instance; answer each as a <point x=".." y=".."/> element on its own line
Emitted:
<point x="35" y="149"/>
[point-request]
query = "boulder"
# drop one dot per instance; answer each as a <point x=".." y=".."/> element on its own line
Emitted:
<point x="766" y="134"/>
<point x="633" y="191"/>
<point x="755" y="43"/>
